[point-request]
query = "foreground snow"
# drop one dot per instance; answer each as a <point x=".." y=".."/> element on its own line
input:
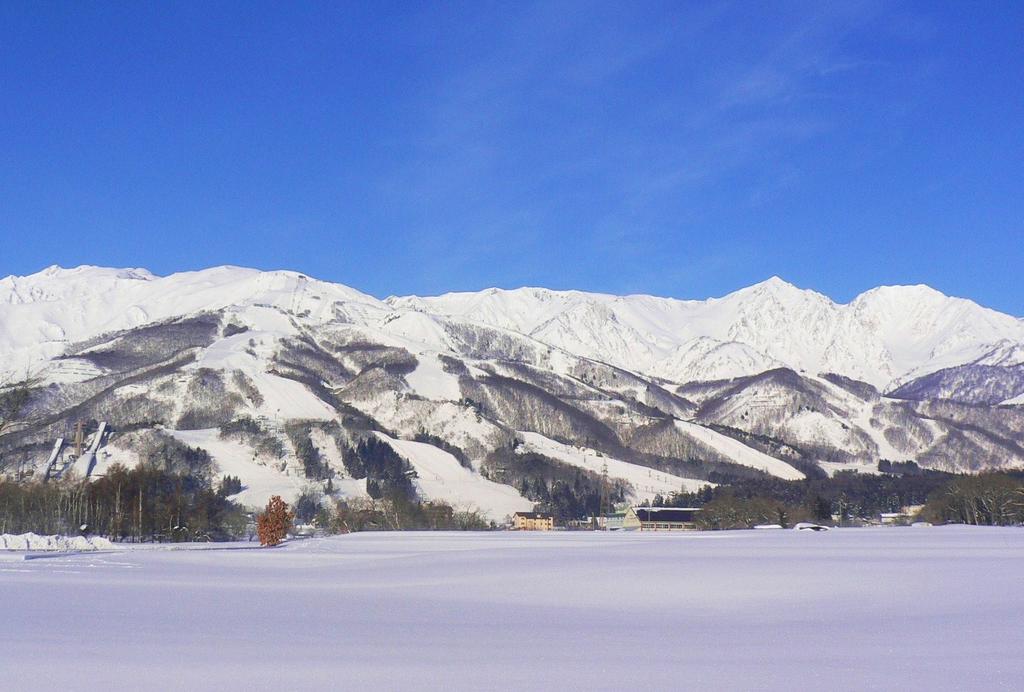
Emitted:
<point x="848" y="609"/>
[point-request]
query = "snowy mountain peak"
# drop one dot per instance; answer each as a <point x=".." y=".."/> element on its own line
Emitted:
<point x="782" y="293"/>
<point x="886" y="336"/>
<point x="43" y="313"/>
<point x="58" y="283"/>
<point x="883" y="336"/>
<point x="57" y="273"/>
<point x="895" y="291"/>
<point x="773" y="284"/>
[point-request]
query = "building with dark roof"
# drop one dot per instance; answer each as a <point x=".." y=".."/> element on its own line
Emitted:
<point x="660" y="518"/>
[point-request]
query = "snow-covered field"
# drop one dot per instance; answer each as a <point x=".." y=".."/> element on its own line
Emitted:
<point x="854" y="609"/>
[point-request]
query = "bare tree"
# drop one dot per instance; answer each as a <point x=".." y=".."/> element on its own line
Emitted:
<point x="13" y="401"/>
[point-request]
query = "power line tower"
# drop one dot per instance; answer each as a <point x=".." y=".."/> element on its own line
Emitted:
<point x="603" y="521"/>
<point x="79" y="439"/>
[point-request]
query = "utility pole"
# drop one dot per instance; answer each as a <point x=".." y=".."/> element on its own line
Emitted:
<point x="140" y="511"/>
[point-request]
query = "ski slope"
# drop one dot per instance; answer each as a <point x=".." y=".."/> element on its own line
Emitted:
<point x="440" y="476"/>
<point x="259" y="482"/>
<point x="739" y="453"/>
<point x="646" y="482"/>
<point x="430" y="380"/>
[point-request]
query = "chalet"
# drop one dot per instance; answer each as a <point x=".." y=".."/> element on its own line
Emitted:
<point x="607" y="522"/>
<point x="901" y="518"/>
<point x="660" y="518"/>
<point x="532" y="521"/>
<point x="614" y="522"/>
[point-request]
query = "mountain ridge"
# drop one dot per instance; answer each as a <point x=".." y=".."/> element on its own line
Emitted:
<point x="658" y="335"/>
<point x="281" y="378"/>
<point x="864" y="317"/>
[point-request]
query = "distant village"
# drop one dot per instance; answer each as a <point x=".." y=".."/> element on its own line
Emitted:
<point x="630" y="519"/>
<point x="642" y="518"/>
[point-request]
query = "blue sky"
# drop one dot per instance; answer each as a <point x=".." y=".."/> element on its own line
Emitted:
<point x="683" y="149"/>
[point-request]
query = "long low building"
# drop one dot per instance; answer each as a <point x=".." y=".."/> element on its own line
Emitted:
<point x="660" y="518"/>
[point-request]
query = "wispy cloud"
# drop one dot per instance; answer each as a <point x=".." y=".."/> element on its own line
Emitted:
<point x="504" y="138"/>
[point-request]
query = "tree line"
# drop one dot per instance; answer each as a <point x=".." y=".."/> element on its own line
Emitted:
<point x="146" y="503"/>
<point x="848" y="495"/>
<point x="987" y="498"/>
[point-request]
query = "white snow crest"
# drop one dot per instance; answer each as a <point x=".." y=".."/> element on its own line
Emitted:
<point x="883" y="336"/>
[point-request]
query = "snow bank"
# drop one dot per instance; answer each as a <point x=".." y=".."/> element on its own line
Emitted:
<point x="32" y="541"/>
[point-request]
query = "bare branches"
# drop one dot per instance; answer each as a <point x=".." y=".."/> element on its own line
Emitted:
<point x="988" y="498"/>
<point x="14" y="399"/>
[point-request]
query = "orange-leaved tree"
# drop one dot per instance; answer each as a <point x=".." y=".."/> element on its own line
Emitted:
<point x="275" y="522"/>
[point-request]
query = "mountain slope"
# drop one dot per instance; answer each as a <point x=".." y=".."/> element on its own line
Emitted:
<point x="287" y="381"/>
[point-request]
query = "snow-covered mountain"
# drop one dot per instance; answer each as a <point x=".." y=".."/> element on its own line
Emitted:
<point x="526" y="388"/>
<point x="885" y="336"/>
